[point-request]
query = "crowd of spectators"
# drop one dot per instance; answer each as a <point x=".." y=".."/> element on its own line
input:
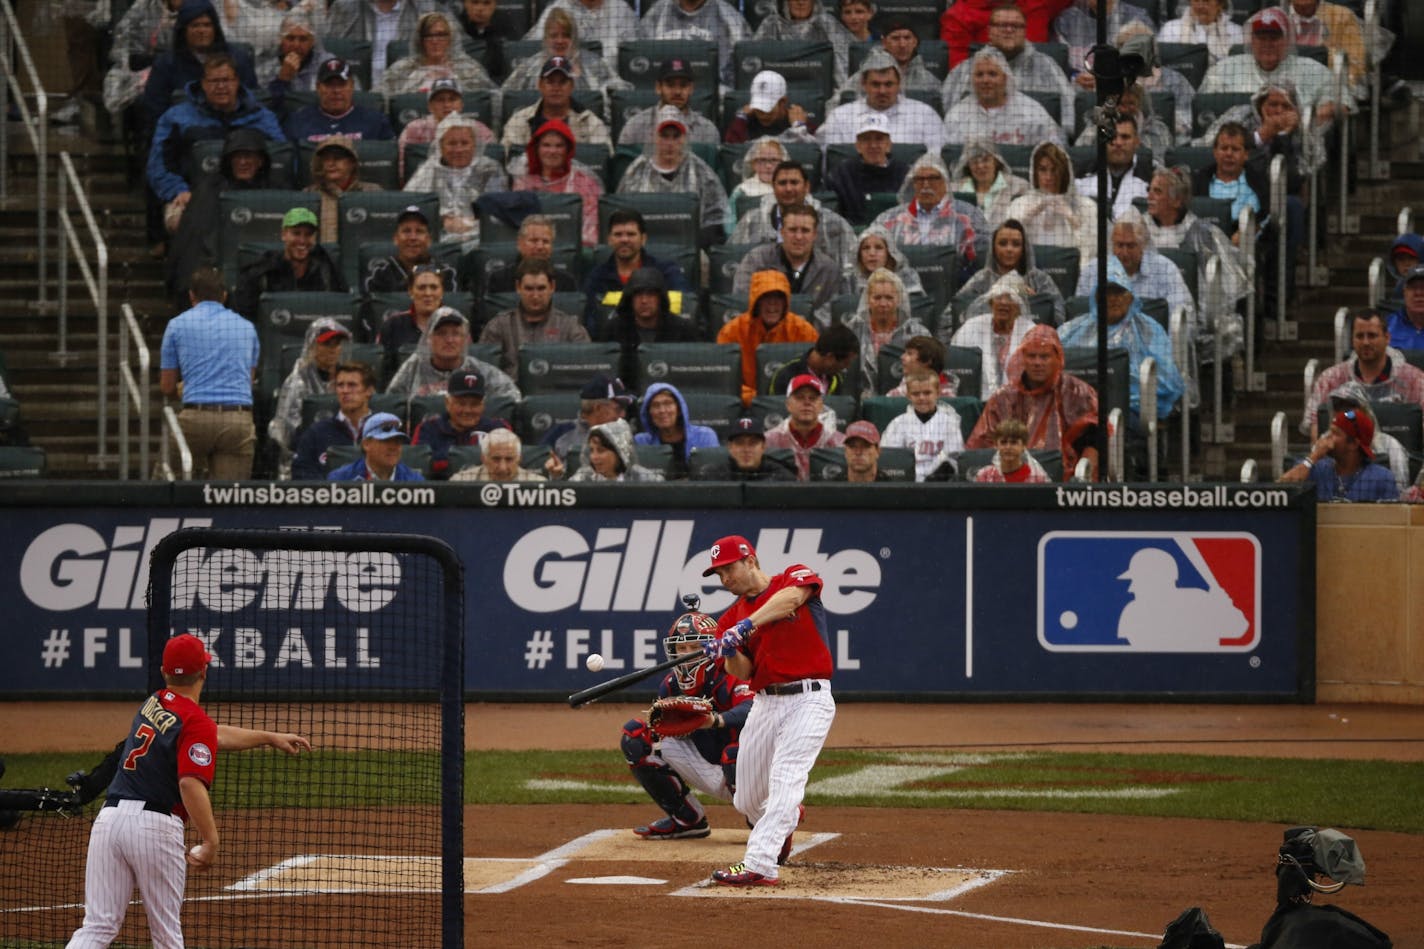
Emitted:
<point x="912" y="213"/>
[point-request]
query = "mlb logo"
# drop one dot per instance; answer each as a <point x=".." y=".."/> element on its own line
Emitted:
<point x="1169" y="591"/>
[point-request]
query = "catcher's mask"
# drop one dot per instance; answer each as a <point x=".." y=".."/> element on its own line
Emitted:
<point x="695" y="628"/>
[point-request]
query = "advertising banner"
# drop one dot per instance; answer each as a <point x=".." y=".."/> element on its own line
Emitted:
<point x="1038" y="602"/>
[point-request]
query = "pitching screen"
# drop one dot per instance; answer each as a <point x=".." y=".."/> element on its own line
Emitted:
<point x="355" y="642"/>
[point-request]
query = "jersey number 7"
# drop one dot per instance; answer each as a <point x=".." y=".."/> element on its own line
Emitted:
<point x="145" y="736"/>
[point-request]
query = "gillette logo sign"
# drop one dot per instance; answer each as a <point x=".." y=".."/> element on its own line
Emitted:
<point x="73" y="566"/>
<point x="644" y="567"/>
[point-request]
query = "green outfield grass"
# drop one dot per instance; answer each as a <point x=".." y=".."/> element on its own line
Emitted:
<point x="1379" y="795"/>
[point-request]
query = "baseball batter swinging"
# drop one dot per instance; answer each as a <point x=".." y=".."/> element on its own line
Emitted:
<point x="166" y="767"/>
<point x="670" y="768"/>
<point x="775" y="637"/>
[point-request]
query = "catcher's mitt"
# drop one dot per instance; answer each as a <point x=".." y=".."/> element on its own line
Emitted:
<point x="680" y="714"/>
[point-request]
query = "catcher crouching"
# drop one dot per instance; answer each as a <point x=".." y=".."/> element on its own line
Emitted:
<point x="689" y="741"/>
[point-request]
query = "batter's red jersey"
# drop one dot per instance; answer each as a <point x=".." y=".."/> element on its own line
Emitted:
<point x="791" y="648"/>
<point x="170" y="738"/>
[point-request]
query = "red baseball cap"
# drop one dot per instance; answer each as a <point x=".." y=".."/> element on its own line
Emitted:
<point x="806" y="381"/>
<point x="729" y="549"/>
<point x="1358" y="425"/>
<point x="184" y="655"/>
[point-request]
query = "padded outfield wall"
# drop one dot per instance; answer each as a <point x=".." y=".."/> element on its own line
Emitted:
<point x="934" y="592"/>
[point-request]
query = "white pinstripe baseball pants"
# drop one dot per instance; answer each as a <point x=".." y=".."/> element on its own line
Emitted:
<point x="778" y="746"/>
<point x="129" y="845"/>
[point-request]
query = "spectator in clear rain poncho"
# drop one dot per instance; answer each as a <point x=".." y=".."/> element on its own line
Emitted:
<point x="882" y="318"/>
<point x="443" y="348"/>
<point x="1059" y="409"/>
<point x="550" y="166"/>
<point x="674" y="87"/>
<point x="292" y="66"/>
<point x="667" y="166"/>
<point x="555" y="103"/>
<point x="436" y="53"/>
<point x="458" y="175"/>
<point x="930" y="214"/>
<point x="996" y="110"/>
<point x="877" y="250"/>
<point x="443" y="98"/>
<point x="591" y="73"/>
<point x="1077" y="28"/>
<point x="144" y="31"/>
<point x="807" y="21"/>
<point x="323" y="349"/>
<point x="1052" y="211"/>
<point x="1336" y="27"/>
<point x="261" y="23"/>
<point x="1010" y="252"/>
<point x="1033" y="71"/>
<point x="1151" y="130"/>
<point x="1171" y="223"/>
<point x="903" y="44"/>
<point x="1272" y="59"/>
<point x="881" y="91"/>
<point x="1204" y="22"/>
<point x="1150" y="275"/>
<point x="607" y="22"/>
<point x="756" y="166"/>
<point x="1001" y="323"/>
<point x="1133" y="330"/>
<point x="610" y="455"/>
<point x="982" y="171"/>
<point x="713" y="21"/>
<point x="1273" y="119"/>
<point x="1389" y="451"/>
<point x="835" y="238"/>
<point x="364" y="20"/>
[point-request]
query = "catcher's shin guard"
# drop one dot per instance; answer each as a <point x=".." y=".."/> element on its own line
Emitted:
<point x="729" y="766"/>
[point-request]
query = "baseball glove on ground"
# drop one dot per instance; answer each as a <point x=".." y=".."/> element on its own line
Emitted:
<point x="680" y="714"/>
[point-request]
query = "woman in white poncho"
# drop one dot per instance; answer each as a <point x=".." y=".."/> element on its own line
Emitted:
<point x="323" y="346"/>
<point x="881" y="319"/>
<point x="1204" y="22"/>
<point x="1010" y="252"/>
<point x="1052" y="211"/>
<point x="438" y="54"/>
<point x="1002" y="324"/>
<point x="875" y="250"/>
<point x="459" y="176"/>
<point x="982" y="171"/>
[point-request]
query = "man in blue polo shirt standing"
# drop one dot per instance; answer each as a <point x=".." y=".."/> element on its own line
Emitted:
<point x="209" y="354"/>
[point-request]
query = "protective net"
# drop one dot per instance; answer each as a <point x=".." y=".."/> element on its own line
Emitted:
<point x="353" y="641"/>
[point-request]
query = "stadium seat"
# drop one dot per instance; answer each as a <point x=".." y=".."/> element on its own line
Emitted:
<point x="369" y="217"/>
<point x="1189" y="59"/>
<point x="1216" y="210"/>
<point x="722" y="262"/>
<point x="202" y="158"/>
<point x="656" y="457"/>
<point x="282" y="320"/>
<point x="539" y="413"/>
<point x="566" y="211"/>
<point x="972" y="459"/>
<point x="22" y="461"/>
<point x="490" y="305"/>
<point x="255" y="216"/>
<point x="671" y="219"/>
<point x="531" y="457"/>
<point x="713" y="409"/>
<point x="1207" y="107"/>
<point x="405" y="108"/>
<point x="379" y="161"/>
<point x="357" y="52"/>
<point x="1060" y="263"/>
<point x="703" y="367"/>
<point x="803" y="62"/>
<point x="966" y="364"/>
<point x="1188" y="265"/>
<point x="938" y="267"/>
<point x="564" y="367"/>
<point x="1083" y="363"/>
<point x="841" y="152"/>
<point x="1192" y="156"/>
<point x="639" y="61"/>
<point x="829" y="464"/>
<point x="729" y="156"/>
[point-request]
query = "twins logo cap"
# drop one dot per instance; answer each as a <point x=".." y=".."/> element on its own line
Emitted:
<point x="465" y="382"/>
<point x="729" y="549"/>
<point x="556" y="64"/>
<point x="185" y="655"/>
<point x="338" y="69"/>
<point x="747" y="425"/>
<point x="1270" y="20"/>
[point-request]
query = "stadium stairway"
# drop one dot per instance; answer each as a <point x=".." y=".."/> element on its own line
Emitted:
<point x="59" y="394"/>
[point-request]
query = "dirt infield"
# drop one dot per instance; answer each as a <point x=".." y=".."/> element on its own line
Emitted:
<point x="546" y="875"/>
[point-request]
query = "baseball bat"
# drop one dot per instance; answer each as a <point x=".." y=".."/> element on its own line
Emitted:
<point x="595" y="692"/>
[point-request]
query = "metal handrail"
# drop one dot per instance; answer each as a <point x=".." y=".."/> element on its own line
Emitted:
<point x="96" y="279"/>
<point x="1312" y="208"/>
<point x="1179" y="329"/>
<point x="1249" y="471"/>
<point x="1117" y="437"/>
<point x="1278" y="445"/>
<point x="37" y="127"/>
<point x="173" y="436"/>
<point x="1307" y="379"/>
<point x="134" y="389"/>
<point x="1147" y="410"/>
<point x="1083" y="470"/>
<point x="1342" y="333"/>
<point x="1338" y="63"/>
<point x="1371" y="31"/>
<point x="1246" y="234"/>
<point x="1404" y="223"/>
<point x="1211" y="297"/>
<point x="1374" y="282"/>
<point x="1278" y="208"/>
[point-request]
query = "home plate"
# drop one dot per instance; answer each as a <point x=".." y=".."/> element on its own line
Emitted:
<point x="844" y="882"/>
<point x="618" y="881"/>
<point x="722" y="847"/>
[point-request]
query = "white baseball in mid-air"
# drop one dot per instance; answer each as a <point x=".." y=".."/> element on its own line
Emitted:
<point x="594" y="663"/>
